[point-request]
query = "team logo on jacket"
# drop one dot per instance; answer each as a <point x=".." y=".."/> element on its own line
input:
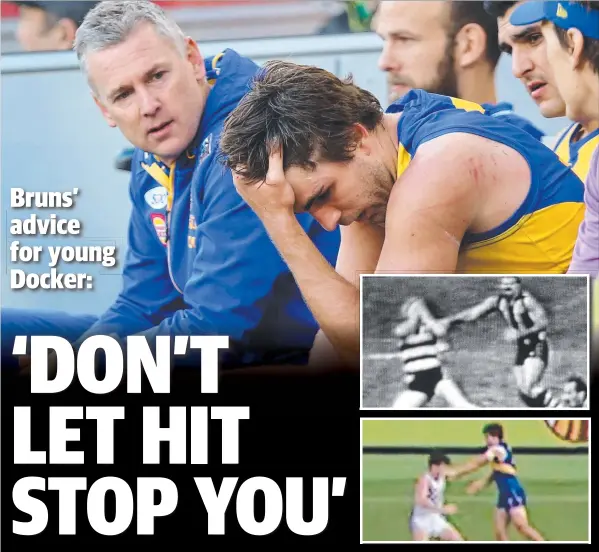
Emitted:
<point x="205" y="148"/>
<point x="159" y="222"/>
<point x="156" y="197"/>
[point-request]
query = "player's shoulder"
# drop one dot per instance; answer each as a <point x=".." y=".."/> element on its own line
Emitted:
<point x="424" y="114"/>
<point x="422" y="479"/>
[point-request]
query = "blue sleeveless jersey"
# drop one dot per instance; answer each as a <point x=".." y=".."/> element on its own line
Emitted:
<point x="540" y="236"/>
<point x="511" y="494"/>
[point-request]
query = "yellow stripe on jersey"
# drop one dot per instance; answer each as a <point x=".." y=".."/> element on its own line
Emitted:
<point x="404" y="157"/>
<point x="403" y="160"/>
<point x="565" y="149"/>
<point x="466" y="105"/>
<point x="532" y="245"/>
<point x="504" y="468"/>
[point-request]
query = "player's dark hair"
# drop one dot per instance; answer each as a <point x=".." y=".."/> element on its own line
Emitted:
<point x="307" y="110"/>
<point x="579" y="382"/>
<point x="495" y="430"/>
<point x="438" y="457"/>
<point x="497" y="9"/>
<point x="590" y="50"/>
<point x="465" y="12"/>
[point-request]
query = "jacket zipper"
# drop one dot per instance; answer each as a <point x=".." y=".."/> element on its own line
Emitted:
<point x="168" y="232"/>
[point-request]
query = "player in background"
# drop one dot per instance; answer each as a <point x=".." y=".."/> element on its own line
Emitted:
<point x="427" y="518"/>
<point x="445" y="47"/>
<point x="419" y="349"/>
<point x="527" y="46"/>
<point x="511" y="501"/>
<point x="527" y="327"/>
<point x="572" y="395"/>
<point x="571" y="33"/>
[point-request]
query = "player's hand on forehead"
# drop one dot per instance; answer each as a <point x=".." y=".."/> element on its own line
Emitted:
<point x="270" y="196"/>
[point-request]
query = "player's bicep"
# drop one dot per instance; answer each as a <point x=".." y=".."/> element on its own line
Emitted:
<point x="486" y="306"/>
<point x="359" y="251"/>
<point x="429" y="212"/>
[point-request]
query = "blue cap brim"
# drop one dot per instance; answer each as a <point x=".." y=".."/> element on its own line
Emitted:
<point x="528" y="13"/>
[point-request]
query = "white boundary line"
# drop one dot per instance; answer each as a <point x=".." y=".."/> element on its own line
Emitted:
<point x="482" y="408"/>
<point x="362" y="541"/>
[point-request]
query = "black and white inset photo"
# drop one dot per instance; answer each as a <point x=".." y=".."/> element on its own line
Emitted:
<point x="471" y="342"/>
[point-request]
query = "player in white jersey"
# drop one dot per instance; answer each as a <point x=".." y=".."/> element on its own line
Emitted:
<point x="427" y="519"/>
<point x="418" y="348"/>
<point x="527" y="326"/>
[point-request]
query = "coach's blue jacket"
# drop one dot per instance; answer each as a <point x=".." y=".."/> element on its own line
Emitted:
<point x="199" y="260"/>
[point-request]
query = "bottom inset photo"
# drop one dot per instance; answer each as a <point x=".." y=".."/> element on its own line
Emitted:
<point x="475" y="480"/>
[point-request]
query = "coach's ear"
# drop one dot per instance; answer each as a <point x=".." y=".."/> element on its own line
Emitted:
<point x="470" y="45"/>
<point x="104" y="111"/>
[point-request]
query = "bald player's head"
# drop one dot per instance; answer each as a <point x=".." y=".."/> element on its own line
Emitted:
<point x="510" y="286"/>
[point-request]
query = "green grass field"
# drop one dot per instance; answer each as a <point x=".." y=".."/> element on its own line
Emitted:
<point x="556" y="485"/>
<point x="479" y="360"/>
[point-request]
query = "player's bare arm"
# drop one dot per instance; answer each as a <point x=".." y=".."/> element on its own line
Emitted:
<point x="359" y="253"/>
<point x="475" y="312"/>
<point x="421" y="310"/>
<point x="467" y="468"/>
<point x="430" y="210"/>
<point x="477" y="462"/>
<point x="479" y="484"/>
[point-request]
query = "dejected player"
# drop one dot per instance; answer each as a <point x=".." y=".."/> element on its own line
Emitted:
<point x="511" y="500"/>
<point x="427" y="518"/>
<point x="527" y="327"/>
<point x="419" y="348"/>
<point x="435" y="184"/>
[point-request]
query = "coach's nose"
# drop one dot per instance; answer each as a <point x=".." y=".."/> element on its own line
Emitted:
<point x="327" y="216"/>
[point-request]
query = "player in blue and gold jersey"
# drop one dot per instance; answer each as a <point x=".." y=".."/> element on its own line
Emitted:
<point x="524" y="239"/>
<point x="525" y="43"/>
<point x="576" y="70"/>
<point x="575" y="147"/>
<point x="511" y="497"/>
<point x="434" y="184"/>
